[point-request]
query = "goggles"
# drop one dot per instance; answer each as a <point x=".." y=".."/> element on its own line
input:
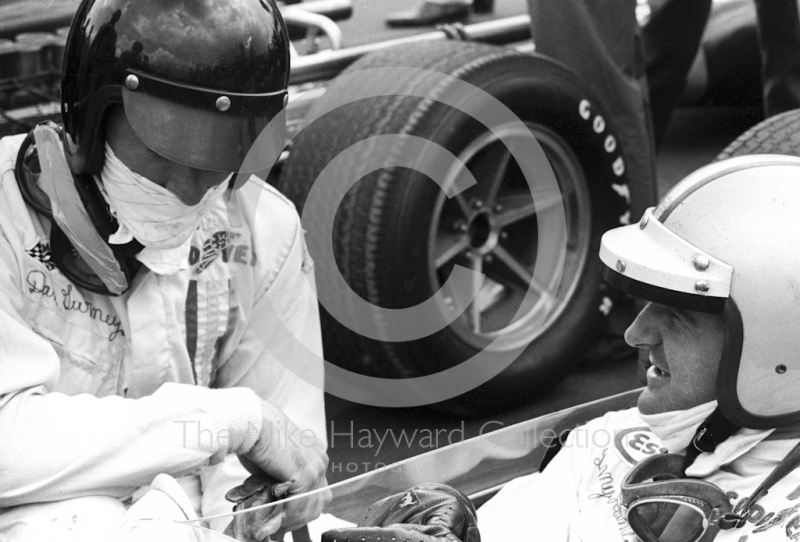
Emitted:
<point x="662" y="505"/>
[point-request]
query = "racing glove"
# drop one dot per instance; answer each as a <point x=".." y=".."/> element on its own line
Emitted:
<point x="256" y="490"/>
<point x="424" y="513"/>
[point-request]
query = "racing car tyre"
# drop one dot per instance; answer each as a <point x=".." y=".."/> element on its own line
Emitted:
<point x="397" y="236"/>
<point x="779" y="134"/>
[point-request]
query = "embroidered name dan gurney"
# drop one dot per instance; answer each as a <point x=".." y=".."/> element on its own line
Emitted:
<point x="37" y="284"/>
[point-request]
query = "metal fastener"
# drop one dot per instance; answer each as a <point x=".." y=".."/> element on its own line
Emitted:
<point x="701" y="286"/>
<point x="285" y="101"/>
<point x="780" y="369"/>
<point x="504" y="235"/>
<point x="701" y="262"/>
<point x="223" y="103"/>
<point x="132" y="82"/>
<point x="643" y="222"/>
<point x="488" y="258"/>
<point x="461" y="226"/>
<point x="498" y="208"/>
<point x="621" y="266"/>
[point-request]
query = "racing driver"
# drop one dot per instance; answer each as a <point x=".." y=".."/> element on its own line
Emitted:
<point x="712" y="449"/>
<point x="157" y="307"/>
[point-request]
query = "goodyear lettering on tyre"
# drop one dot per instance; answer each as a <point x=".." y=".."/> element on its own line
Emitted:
<point x="637" y="443"/>
<point x="611" y="147"/>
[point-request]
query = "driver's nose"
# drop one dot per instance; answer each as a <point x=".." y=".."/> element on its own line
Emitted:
<point x="643" y="332"/>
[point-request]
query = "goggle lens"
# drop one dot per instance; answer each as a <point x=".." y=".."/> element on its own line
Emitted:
<point x="667" y="521"/>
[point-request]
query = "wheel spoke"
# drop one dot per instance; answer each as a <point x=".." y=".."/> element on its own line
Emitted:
<point x="474" y="314"/>
<point x="547" y="199"/>
<point x="461" y="172"/>
<point x="497" y="176"/>
<point x="522" y="272"/>
<point x="515" y="208"/>
<point x="463" y="206"/>
<point x="522" y="206"/>
<point x="448" y="246"/>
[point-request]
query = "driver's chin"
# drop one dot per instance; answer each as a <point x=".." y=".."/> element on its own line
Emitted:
<point x="655" y="401"/>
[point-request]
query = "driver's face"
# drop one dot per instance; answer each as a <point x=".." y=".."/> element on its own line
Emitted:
<point x="187" y="183"/>
<point x="685" y="349"/>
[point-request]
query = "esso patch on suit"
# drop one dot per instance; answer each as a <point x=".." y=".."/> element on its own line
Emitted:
<point x="637" y="443"/>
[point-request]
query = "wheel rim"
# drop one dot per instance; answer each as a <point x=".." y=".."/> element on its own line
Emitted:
<point x="491" y="228"/>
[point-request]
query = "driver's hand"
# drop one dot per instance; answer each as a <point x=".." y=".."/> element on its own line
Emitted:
<point x="259" y="524"/>
<point x="424" y="513"/>
<point x="297" y="461"/>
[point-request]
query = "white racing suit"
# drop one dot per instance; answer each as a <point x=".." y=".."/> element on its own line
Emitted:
<point x="99" y="394"/>
<point x="575" y="497"/>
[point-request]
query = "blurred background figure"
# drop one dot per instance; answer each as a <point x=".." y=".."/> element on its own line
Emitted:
<point x="673" y="34"/>
<point x="430" y="12"/>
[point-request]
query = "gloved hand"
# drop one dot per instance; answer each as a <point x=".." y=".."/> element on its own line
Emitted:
<point x="258" y="526"/>
<point x="424" y="513"/>
<point x="298" y="466"/>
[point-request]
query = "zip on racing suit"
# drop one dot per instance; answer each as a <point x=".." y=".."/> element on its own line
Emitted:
<point x="98" y="394"/>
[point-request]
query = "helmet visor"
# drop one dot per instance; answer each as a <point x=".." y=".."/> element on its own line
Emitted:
<point x="650" y="261"/>
<point x="206" y="129"/>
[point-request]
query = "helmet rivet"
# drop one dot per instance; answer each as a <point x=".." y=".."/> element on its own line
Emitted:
<point x="132" y="82"/>
<point x="780" y="369"/>
<point x="643" y="222"/>
<point x="701" y="262"/>
<point x="621" y="266"/>
<point x="223" y="103"/>
<point x="701" y="286"/>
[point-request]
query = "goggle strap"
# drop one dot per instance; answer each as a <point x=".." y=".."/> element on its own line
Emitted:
<point x="787" y="465"/>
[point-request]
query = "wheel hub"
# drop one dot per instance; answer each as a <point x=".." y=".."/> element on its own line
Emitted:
<point x="493" y="228"/>
<point x="483" y="232"/>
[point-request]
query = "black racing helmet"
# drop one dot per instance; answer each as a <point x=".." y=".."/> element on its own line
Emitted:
<point x="198" y="79"/>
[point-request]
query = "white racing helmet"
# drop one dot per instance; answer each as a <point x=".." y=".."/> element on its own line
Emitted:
<point x="726" y="240"/>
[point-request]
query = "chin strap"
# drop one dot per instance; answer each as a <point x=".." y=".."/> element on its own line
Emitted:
<point x="80" y="222"/>
<point x="716" y="429"/>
